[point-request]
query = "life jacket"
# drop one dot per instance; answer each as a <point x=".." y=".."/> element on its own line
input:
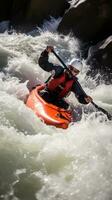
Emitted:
<point x="61" y="85"/>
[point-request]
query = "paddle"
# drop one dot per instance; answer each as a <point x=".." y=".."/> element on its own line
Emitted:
<point x="109" y="116"/>
<point x="61" y="61"/>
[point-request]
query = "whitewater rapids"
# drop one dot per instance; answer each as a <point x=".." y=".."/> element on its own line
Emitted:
<point x="39" y="162"/>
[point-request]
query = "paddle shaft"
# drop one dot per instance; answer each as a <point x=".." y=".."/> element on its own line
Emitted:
<point x="96" y="106"/>
<point x="61" y="62"/>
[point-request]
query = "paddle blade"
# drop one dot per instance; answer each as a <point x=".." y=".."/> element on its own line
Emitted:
<point x="109" y="116"/>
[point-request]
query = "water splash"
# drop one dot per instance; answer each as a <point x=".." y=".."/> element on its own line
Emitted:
<point x="75" y="3"/>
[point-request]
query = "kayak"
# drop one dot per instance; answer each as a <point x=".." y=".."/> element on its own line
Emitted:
<point x="47" y="112"/>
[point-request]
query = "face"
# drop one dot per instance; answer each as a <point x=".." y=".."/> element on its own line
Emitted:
<point x="74" y="71"/>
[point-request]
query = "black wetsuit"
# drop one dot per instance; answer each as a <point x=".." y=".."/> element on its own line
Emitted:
<point x="58" y="70"/>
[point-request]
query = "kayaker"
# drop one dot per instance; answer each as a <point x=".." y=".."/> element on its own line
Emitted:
<point x="61" y="82"/>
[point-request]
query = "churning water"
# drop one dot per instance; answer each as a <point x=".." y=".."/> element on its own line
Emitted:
<point x="39" y="162"/>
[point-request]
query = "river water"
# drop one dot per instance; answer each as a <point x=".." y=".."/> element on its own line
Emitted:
<point x="39" y="162"/>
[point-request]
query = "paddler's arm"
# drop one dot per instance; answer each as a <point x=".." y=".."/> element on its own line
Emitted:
<point x="44" y="63"/>
<point x="80" y="94"/>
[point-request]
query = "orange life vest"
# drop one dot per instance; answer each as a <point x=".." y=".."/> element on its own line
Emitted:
<point x="62" y="85"/>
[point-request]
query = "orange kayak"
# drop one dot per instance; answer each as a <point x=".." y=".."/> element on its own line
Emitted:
<point x="47" y="112"/>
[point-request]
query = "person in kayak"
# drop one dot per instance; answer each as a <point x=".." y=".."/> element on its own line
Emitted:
<point x="61" y="82"/>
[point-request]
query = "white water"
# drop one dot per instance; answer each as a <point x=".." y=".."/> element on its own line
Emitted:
<point x="42" y="162"/>
<point x="75" y="3"/>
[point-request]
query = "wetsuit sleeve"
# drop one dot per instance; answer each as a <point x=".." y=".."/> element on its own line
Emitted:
<point x="79" y="92"/>
<point x="44" y="63"/>
<point x="58" y="70"/>
<point x="49" y="67"/>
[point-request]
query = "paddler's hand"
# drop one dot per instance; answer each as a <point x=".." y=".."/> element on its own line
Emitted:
<point x="88" y="99"/>
<point x="49" y="49"/>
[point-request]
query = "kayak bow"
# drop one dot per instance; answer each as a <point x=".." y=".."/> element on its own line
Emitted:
<point x="47" y="112"/>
